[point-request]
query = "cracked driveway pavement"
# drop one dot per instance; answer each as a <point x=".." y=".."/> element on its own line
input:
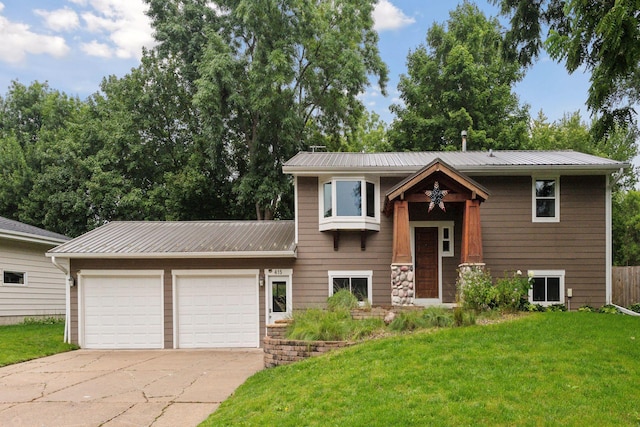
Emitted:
<point x="123" y="388"/>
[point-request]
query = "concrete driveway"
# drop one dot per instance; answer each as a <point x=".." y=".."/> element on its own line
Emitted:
<point x="122" y="388"/>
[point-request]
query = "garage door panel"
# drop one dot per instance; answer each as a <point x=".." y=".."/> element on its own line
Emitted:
<point x="122" y="311"/>
<point x="216" y="310"/>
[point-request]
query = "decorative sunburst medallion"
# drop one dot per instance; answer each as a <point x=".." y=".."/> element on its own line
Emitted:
<point x="436" y="196"/>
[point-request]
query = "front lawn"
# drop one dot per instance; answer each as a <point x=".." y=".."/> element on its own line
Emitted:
<point x="542" y="369"/>
<point x="19" y="343"/>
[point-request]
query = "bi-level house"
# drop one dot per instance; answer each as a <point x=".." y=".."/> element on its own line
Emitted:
<point x="393" y="228"/>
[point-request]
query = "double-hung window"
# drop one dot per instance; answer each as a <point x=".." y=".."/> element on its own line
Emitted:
<point x="349" y="204"/>
<point x="546" y="200"/>
<point x="357" y="282"/>
<point x="547" y="287"/>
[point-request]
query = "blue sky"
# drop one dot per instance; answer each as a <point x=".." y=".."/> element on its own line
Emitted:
<point x="73" y="44"/>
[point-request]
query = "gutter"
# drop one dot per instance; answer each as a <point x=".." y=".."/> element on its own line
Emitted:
<point x="67" y="314"/>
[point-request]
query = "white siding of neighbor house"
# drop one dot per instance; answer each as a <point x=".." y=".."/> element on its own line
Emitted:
<point x="44" y="292"/>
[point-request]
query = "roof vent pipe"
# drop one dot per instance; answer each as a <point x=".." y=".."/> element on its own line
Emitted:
<point x="463" y="134"/>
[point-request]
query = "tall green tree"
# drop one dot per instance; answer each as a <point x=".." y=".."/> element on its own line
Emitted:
<point x="267" y="75"/>
<point x="460" y="81"/>
<point x="601" y="36"/>
<point x="626" y="228"/>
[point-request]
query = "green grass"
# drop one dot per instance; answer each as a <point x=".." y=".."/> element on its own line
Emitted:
<point x="19" y="343"/>
<point x="543" y="369"/>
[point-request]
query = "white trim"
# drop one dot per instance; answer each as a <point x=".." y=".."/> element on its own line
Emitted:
<point x="31" y="238"/>
<point x="82" y="274"/>
<point x="362" y="222"/>
<point x="534" y="217"/>
<point x="276" y="273"/>
<point x="608" y="243"/>
<point x="439" y="225"/>
<point x="295" y="208"/>
<point x="251" y="273"/>
<point x="358" y="274"/>
<point x="548" y="273"/>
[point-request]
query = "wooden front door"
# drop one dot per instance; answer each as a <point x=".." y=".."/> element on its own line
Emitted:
<point x="426" y="257"/>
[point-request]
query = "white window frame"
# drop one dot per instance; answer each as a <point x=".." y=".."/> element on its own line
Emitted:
<point x="361" y="222"/>
<point x="352" y="274"/>
<point x="534" y="198"/>
<point x="546" y="274"/>
<point x="24" y="278"/>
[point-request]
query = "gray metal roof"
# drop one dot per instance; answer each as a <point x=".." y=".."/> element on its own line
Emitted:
<point x="181" y="239"/>
<point x="20" y="231"/>
<point x="467" y="161"/>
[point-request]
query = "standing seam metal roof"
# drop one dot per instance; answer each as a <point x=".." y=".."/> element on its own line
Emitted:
<point x="158" y="238"/>
<point x="466" y="160"/>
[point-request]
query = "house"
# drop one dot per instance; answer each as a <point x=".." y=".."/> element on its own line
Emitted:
<point x="393" y="228"/>
<point x="31" y="286"/>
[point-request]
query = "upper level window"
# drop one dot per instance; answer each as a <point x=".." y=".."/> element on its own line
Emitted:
<point x="349" y="203"/>
<point x="14" y="278"/>
<point x="546" y="200"/>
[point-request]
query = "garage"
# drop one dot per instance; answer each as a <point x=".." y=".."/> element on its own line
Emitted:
<point x="216" y="308"/>
<point x="121" y="310"/>
<point x="170" y="285"/>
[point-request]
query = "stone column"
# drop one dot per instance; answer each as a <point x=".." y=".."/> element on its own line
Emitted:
<point x="402" y="289"/>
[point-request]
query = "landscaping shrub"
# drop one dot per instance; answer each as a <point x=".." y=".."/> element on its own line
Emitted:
<point x="475" y="290"/>
<point x="635" y="307"/>
<point x="586" y="309"/>
<point x="431" y="317"/>
<point x="609" y="309"/>
<point x="49" y="320"/>
<point x="512" y="292"/>
<point x="342" y="300"/>
<point x="463" y="317"/>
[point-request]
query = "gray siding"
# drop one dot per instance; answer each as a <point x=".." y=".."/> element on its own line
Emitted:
<point x="316" y="255"/>
<point x="168" y="265"/>
<point x="44" y="292"/>
<point x="576" y="244"/>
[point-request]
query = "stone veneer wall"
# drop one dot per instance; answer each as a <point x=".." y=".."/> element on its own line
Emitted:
<point x="402" y="292"/>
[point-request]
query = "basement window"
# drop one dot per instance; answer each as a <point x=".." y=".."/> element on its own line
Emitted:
<point x="547" y="288"/>
<point x="357" y="282"/>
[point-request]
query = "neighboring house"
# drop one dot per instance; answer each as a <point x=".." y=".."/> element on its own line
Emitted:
<point x="371" y="223"/>
<point x="31" y="286"/>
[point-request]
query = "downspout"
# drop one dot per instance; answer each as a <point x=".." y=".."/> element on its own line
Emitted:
<point x="611" y="181"/>
<point x="67" y="314"/>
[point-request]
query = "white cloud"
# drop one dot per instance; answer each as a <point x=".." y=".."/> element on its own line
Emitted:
<point x="386" y="16"/>
<point x="95" y="48"/>
<point x="124" y="23"/>
<point x="18" y="40"/>
<point x="60" y="19"/>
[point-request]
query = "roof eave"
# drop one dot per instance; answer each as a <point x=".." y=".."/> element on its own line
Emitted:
<point x="484" y="169"/>
<point x="170" y="255"/>
<point x="31" y="238"/>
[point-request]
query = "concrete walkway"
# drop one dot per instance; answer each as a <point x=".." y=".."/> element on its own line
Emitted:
<point x="122" y="388"/>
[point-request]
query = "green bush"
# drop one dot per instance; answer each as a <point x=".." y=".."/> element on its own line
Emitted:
<point x="512" y="292"/>
<point x="49" y="320"/>
<point x="586" y="309"/>
<point x="431" y="317"/>
<point x="476" y="291"/>
<point x="342" y="300"/>
<point x="609" y="309"/>
<point x="463" y="317"/>
<point x="635" y="307"/>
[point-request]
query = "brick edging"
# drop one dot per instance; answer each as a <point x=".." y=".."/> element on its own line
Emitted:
<point x="278" y="351"/>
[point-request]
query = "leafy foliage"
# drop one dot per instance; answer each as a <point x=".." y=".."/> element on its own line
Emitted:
<point x="460" y="81"/>
<point x="431" y="317"/>
<point x="625" y="224"/>
<point x="476" y="291"/>
<point x="321" y="325"/>
<point x="602" y="37"/>
<point x="342" y="300"/>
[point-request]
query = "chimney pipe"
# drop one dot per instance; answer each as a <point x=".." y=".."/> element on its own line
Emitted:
<point x="463" y="134"/>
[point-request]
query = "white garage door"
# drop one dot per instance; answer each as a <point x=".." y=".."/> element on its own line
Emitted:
<point x="121" y="310"/>
<point x="216" y="308"/>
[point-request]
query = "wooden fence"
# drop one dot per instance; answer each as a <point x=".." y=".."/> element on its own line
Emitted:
<point x="626" y="285"/>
